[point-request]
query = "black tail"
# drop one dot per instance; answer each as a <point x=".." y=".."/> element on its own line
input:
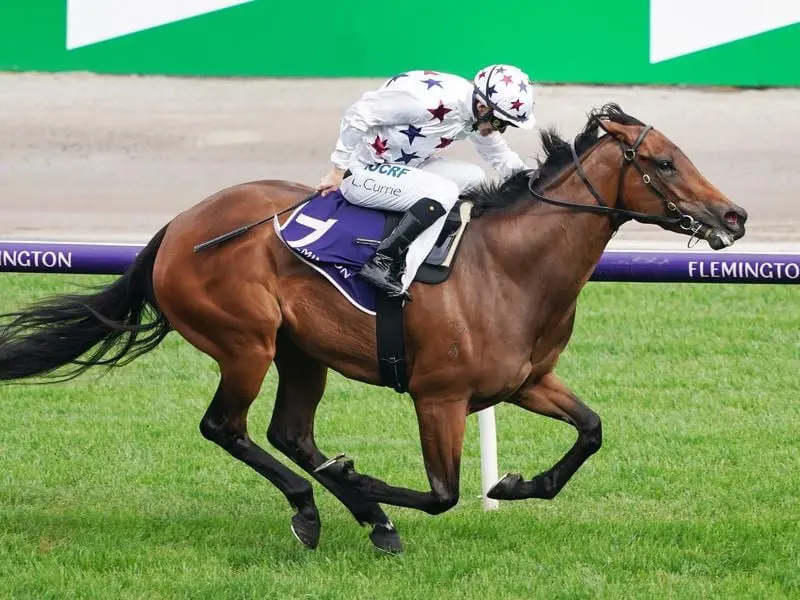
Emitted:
<point x="111" y="327"/>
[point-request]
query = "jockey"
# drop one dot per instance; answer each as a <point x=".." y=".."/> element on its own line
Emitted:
<point x="385" y="155"/>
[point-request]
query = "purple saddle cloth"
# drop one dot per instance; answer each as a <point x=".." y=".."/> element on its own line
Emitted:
<point x="324" y="231"/>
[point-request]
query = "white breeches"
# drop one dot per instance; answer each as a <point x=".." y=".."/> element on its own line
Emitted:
<point x="395" y="187"/>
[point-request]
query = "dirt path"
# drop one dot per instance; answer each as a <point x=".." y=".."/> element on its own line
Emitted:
<point x="113" y="158"/>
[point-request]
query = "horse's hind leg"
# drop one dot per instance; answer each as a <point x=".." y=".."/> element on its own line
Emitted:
<point x="551" y="398"/>
<point x="441" y="427"/>
<point x="225" y="423"/>
<point x="301" y="385"/>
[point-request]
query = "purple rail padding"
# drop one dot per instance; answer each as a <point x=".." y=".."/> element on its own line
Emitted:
<point x="66" y="257"/>
<point x="615" y="265"/>
<point x="698" y="267"/>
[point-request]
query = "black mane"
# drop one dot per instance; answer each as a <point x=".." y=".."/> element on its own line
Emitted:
<point x="503" y="194"/>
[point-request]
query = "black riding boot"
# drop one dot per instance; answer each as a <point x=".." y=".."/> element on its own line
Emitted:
<point x="385" y="270"/>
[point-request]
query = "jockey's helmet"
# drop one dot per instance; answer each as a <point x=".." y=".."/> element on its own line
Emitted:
<point x="508" y="92"/>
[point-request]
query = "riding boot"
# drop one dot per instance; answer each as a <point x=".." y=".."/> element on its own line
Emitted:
<point x="385" y="269"/>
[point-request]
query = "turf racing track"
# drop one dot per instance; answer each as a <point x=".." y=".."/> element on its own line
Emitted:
<point x="110" y="491"/>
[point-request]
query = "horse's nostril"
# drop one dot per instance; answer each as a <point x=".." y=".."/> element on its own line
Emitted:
<point x="733" y="219"/>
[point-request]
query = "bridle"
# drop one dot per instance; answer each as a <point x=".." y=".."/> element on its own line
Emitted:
<point x="619" y="215"/>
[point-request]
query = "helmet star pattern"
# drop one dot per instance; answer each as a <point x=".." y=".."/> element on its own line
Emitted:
<point x="507" y="91"/>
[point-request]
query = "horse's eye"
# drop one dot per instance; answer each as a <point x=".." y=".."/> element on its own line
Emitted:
<point x="666" y="166"/>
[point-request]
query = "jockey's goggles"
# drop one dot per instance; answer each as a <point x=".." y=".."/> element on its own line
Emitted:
<point x="497" y="124"/>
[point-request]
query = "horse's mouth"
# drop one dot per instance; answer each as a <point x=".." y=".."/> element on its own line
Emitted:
<point x="721" y="232"/>
<point x="718" y="239"/>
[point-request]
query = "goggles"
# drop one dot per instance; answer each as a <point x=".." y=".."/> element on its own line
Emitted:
<point x="496" y="123"/>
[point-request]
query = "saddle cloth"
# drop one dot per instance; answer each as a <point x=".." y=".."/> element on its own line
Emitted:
<point x="337" y="238"/>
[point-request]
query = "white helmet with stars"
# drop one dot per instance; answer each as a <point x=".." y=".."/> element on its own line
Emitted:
<point x="508" y="91"/>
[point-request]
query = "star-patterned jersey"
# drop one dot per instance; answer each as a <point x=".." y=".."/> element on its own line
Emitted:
<point x="413" y="116"/>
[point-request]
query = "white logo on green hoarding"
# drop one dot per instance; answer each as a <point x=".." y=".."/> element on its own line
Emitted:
<point x="92" y="21"/>
<point x="679" y="27"/>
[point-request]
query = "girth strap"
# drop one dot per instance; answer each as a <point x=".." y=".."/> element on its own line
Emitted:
<point x="391" y="344"/>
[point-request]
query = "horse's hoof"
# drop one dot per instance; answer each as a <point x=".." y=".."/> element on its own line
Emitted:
<point x="503" y="489"/>
<point x="386" y="538"/>
<point x="329" y="463"/>
<point x="306" y="530"/>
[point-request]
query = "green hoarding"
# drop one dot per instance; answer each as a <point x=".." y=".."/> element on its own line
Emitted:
<point x="580" y="41"/>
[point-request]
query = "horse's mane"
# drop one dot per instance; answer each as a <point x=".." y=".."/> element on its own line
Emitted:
<point x="491" y="196"/>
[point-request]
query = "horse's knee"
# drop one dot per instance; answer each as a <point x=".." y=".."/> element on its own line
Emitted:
<point x="276" y="438"/>
<point x="442" y="502"/>
<point x="293" y="445"/>
<point x="281" y="441"/>
<point x="233" y="442"/>
<point x="592" y="434"/>
<point x="209" y="429"/>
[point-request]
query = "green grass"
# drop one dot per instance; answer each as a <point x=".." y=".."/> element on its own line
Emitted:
<point x="107" y="489"/>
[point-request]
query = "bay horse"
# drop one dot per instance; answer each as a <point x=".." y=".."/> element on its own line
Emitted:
<point x="491" y="333"/>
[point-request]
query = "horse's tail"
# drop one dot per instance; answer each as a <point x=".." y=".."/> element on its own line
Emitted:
<point x="114" y="326"/>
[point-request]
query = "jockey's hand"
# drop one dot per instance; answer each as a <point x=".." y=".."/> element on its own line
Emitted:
<point x="331" y="181"/>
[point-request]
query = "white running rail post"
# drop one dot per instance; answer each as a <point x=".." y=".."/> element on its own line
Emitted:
<point x="488" y="436"/>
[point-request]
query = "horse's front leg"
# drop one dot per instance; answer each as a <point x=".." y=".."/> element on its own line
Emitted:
<point x="550" y="397"/>
<point x="441" y="427"/>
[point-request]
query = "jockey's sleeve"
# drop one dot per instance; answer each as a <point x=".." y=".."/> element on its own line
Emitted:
<point x="495" y="151"/>
<point x="374" y="109"/>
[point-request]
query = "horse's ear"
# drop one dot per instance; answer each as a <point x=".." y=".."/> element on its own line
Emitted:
<point x="624" y="133"/>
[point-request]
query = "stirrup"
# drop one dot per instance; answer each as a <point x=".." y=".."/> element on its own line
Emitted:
<point x="406" y="295"/>
<point x="381" y="277"/>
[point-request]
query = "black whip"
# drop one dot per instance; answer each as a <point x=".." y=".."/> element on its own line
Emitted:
<point x="245" y="228"/>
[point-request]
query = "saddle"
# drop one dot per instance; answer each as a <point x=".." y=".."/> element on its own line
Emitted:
<point x="436" y="267"/>
<point x="337" y="238"/>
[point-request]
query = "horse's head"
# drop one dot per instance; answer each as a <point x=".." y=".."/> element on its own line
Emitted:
<point x="661" y="184"/>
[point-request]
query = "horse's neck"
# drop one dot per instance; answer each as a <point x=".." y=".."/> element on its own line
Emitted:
<point x="549" y="252"/>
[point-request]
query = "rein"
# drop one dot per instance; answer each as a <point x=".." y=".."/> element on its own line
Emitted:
<point x="618" y="215"/>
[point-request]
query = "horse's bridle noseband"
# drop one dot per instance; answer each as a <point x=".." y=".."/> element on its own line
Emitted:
<point x="619" y="215"/>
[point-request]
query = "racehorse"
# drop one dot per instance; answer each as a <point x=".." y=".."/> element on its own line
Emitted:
<point x="491" y="333"/>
